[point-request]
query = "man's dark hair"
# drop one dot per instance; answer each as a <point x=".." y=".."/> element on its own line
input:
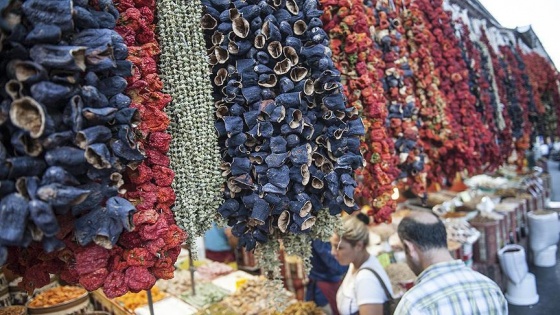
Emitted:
<point x="425" y="235"/>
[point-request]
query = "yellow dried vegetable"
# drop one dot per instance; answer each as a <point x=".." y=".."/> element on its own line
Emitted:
<point x="132" y="301"/>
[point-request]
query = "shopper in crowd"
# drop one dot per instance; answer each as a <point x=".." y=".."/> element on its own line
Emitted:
<point x="545" y="150"/>
<point x="444" y="285"/>
<point x="324" y="278"/>
<point x="360" y="292"/>
<point x="219" y="244"/>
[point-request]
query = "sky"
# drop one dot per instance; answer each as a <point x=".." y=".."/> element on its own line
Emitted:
<point x="542" y="15"/>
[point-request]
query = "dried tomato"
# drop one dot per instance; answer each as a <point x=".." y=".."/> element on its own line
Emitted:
<point x="122" y="5"/>
<point x="174" y="237"/>
<point x="142" y="174"/>
<point x="164" y="268"/>
<point x="165" y="211"/>
<point x="131" y="18"/>
<point x="145" y="35"/>
<point x="115" y="284"/>
<point x="139" y="257"/>
<point x="70" y="275"/>
<point x="166" y="196"/>
<point x="127" y="33"/>
<point x="155" y="246"/>
<point x="117" y="263"/>
<point x="139" y="278"/>
<point x="163" y="176"/>
<point x="130" y="240"/>
<point x="94" y="280"/>
<point x="173" y="253"/>
<point x="147" y="15"/>
<point x="145" y="217"/>
<point x="91" y="258"/>
<point x="156" y="158"/>
<point x="35" y="277"/>
<point x="159" y="141"/>
<point x="146" y="3"/>
<point x="153" y="231"/>
<point x="153" y="119"/>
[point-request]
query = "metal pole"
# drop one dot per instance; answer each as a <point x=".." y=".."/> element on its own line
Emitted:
<point x="191" y="269"/>
<point x="150" y="302"/>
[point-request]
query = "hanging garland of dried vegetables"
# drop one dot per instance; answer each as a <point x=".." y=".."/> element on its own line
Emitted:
<point x="490" y="93"/>
<point x="194" y="147"/>
<point x="154" y="245"/>
<point x="348" y="25"/>
<point x="505" y="138"/>
<point x="403" y="112"/>
<point x="532" y="111"/>
<point x="89" y="248"/>
<point x="466" y="123"/>
<point x="518" y="108"/>
<point x="435" y="130"/>
<point x="289" y="144"/>
<point x="543" y="78"/>
<point x="519" y="104"/>
<point x="481" y="88"/>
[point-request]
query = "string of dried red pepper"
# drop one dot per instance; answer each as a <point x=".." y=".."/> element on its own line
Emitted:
<point x="348" y="25"/>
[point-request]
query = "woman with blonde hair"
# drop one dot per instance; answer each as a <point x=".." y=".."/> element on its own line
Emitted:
<point x="361" y="291"/>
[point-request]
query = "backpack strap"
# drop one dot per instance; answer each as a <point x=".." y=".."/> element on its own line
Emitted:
<point x="387" y="292"/>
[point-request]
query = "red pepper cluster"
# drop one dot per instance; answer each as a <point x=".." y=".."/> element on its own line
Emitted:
<point x="435" y="130"/>
<point x="468" y="131"/>
<point x="151" y="249"/>
<point x="518" y="110"/>
<point x="399" y="91"/>
<point x="505" y="136"/>
<point x="481" y="87"/>
<point x="543" y="78"/>
<point x="348" y="24"/>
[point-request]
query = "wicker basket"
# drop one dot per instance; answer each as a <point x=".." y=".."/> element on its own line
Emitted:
<point x="103" y="303"/>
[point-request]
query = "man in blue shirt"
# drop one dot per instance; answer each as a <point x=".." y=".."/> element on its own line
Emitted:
<point x="324" y="278"/>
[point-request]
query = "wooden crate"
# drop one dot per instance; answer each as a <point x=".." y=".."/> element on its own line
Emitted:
<point x="103" y="303"/>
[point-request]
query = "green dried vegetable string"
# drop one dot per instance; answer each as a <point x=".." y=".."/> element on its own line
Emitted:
<point x="325" y="226"/>
<point x="267" y="256"/>
<point x="299" y="245"/>
<point x="193" y="152"/>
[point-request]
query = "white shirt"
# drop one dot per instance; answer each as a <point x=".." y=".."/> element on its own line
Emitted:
<point x="362" y="287"/>
<point x="544" y="149"/>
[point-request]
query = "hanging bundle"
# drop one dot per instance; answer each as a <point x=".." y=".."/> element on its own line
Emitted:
<point x="481" y="88"/>
<point x="348" y="25"/>
<point x="465" y="122"/>
<point x="288" y="142"/>
<point x="194" y="147"/>
<point x="435" y="131"/>
<point x="542" y="76"/>
<point x="505" y="139"/>
<point x="403" y="119"/>
<point x="86" y="139"/>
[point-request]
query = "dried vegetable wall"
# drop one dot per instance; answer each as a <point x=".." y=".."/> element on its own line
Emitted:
<point x="127" y="126"/>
